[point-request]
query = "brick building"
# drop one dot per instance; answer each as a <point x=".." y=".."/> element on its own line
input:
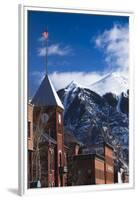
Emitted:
<point x="52" y="162"/>
<point x="91" y="168"/>
<point x="48" y="136"/>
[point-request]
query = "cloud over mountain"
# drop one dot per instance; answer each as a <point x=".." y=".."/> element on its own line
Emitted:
<point x="115" y="45"/>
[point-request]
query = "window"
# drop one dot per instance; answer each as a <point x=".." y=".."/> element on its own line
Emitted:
<point x="59" y="118"/>
<point x="60" y="159"/>
<point x="29" y="129"/>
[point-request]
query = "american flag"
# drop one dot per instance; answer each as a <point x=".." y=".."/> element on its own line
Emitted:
<point x="45" y="34"/>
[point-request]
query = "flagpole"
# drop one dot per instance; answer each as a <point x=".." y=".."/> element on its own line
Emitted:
<point x="45" y="35"/>
<point x="47" y="55"/>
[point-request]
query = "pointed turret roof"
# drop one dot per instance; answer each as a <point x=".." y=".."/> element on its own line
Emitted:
<point x="46" y="94"/>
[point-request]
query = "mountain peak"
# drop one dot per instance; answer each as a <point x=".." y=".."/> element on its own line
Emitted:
<point x="113" y="82"/>
<point x="73" y="84"/>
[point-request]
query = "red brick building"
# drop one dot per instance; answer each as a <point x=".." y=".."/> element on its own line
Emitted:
<point x="48" y="123"/>
<point x="91" y="168"/>
<point x="49" y="160"/>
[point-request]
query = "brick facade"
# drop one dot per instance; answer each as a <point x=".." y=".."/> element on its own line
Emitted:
<point x="47" y="157"/>
<point x="109" y="164"/>
<point x="99" y="171"/>
<point x="30" y="126"/>
<point x="88" y="169"/>
<point x="53" y="127"/>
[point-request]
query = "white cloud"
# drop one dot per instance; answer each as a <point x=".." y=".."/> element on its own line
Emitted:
<point x="62" y="79"/>
<point x="55" y="49"/>
<point x="115" y="45"/>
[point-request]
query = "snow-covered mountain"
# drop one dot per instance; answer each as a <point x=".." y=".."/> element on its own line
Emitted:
<point x="113" y="82"/>
<point x="93" y="118"/>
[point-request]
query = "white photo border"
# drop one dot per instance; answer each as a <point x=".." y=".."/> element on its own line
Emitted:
<point x="22" y="141"/>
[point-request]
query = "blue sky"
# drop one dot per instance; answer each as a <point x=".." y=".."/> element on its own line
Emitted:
<point x="78" y="44"/>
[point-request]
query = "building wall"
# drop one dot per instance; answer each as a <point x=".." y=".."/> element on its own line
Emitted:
<point x="47" y="165"/>
<point x="54" y="127"/>
<point x="60" y="177"/>
<point x="30" y="143"/>
<point x="66" y="165"/>
<point x="30" y="126"/>
<point x="109" y="165"/>
<point x="99" y="171"/>
<point x="51" y="166"/>
<point x="44" y="165"/>
<point x="82" y="172"/>
<point x="87" y="170"/>
<point x="126" y="178"/>
<point x="29" y="167"/>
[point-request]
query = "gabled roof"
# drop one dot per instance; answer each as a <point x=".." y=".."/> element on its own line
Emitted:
<point x="46" y="95"/>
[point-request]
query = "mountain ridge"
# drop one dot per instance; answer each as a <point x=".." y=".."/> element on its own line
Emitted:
<point x="113" y="82"/>
<point x="87" y="115"/>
